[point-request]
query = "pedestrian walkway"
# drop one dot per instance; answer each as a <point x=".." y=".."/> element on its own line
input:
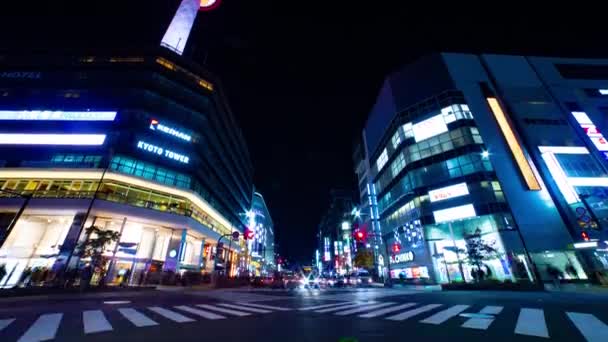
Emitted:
<point x="530" y="321"/>
<point x="46" y="326"/>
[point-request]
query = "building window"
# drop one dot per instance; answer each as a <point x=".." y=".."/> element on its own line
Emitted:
<point x="398" y="165"/>
<point x="396" y="140"/>
<point x="382" y="160"/>
<point x="408" y="130"/>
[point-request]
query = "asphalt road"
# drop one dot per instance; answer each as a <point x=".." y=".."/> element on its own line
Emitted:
<point x="310" y="315"/>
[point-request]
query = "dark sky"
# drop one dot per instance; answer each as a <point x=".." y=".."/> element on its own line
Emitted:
<point x="301" y="77"/>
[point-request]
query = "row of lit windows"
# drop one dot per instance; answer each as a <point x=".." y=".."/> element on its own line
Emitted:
<point x="172" y="66"/>
<point x="150" y="171"/>
<point x="111" y="191"/>
<point x="449" y="114"/>
<point x="439" y="144"/>
<point x="432" y="174"/>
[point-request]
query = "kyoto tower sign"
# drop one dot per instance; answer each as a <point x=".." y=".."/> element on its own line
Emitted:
<point x="177" y="34"/>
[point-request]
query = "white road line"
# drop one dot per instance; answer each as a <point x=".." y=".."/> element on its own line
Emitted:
<point x="43" y="329"/>
<point x="591" y="327"/>
<point x="172" y="315"/>
<point x="363" y="308"/>
<point x="224" y="310"/>
<point x="204" y="314"/>
<point x="346" y="306"/>
<point x="244" y="308"/>
<point x="483" y="323"/>
<point x="387" y="310"/>
<point x="532" y="322"/>
<point x="444" y="315"/>
<point x="323" y="306"/>
<point x="410" y="313"/>
<point x="269" y="307"/>
<point x="137" y="318"/>
<point x="95" y="321"/>
<point x="5" y="323"/>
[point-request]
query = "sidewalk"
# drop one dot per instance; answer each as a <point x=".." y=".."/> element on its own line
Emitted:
<point x="76" y="295"/>
<point x="578" y="288"/>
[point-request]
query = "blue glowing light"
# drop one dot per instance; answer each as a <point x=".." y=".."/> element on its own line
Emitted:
<point x="57" y="115"/>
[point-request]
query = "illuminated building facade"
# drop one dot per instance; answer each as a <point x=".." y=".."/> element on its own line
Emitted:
<point x="494" y="151"/>
<point x="141" y="143"/>
<point x="261" y="247"/>
<point x="335" y="235"/>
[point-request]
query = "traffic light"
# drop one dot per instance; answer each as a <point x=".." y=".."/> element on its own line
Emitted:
<point x="249" y="234"/>
<point x="359" y="236"/>
<point x="585" y="235"/>
<point x="396" y="248"/>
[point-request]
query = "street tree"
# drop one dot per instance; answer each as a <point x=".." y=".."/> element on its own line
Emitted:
<point x="479" y="250"/>
<point x="93" y="247"/>
<point x="364" y="259"/>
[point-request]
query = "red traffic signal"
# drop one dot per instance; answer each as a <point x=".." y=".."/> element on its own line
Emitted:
<point x="585" y="235"/>
<point x="396" y="248"/>
<point x="359" y="235"/>
<point x="249" y="234"/>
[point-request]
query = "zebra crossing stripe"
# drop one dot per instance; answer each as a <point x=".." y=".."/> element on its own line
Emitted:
<point x="172" y="315"/>
<point x="5" y="323"/>
<point x="44" y="329"/>
<point x="363" y="308"/>
<point x="410" y="313"/>
<point x="261" y="306"/>
<point x="387" y="310"/>
<point x="244" y="308"/>
<point x="323" y="306"/>
<point x="590" y="327"/>
<point x="94" y="321"/>
<point x="224" y="310"/>
<point x="483" y="323"/>
<point x="444" y="315"/>
<point x="346" y="306"/>
<point x="137" y="318"/>
<point x="204" y="314"/>
<point x="532" y="322"/>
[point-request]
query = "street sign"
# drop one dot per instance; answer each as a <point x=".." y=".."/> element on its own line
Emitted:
<point x="235" y="236"/>
<point x="581" y="211"/>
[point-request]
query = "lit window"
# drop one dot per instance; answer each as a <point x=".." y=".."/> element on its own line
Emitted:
<point x="396" y="140"/>
<point x="398" y="165"/>
<point x="408" y="130"/>
<point x="382" y="160"/>
<point x="603" y="91"/>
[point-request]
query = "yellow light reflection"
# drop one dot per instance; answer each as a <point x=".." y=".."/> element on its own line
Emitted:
<point x="514" y="145"/>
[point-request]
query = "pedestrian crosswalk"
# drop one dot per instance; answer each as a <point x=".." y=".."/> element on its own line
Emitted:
<point x="46" y="326"/>
<point x="529" y="322"/>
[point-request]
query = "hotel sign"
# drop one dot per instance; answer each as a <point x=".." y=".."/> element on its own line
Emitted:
<point x="142" y="145"/>
<point x="155" y="125"/>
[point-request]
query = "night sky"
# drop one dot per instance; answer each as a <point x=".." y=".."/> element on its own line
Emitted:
<point x="301" y="77"/>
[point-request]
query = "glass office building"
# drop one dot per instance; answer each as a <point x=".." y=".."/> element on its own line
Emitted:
<point x="494" y="163"/>
<point x="143" y="144"/>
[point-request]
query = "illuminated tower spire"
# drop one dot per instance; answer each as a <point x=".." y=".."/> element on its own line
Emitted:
<point x="177" y="34"/>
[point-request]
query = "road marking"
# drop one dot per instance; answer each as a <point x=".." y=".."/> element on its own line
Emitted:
<point x="345" y="306"/>
<point x="387" y="310"/>
<point x="363" y="308"/>
<point x="483" y="323"/>
<point x="5" y="323"/>
<point x="444" y="315"/>
<point x="204" y="314"/>
<point x="407" y="314"/>
<point x="137" y="318"/>
<point x="224" y="310"/>
<point x="592" y="328"/>
<point x="323" y="306"/>
<point x="95" y="321"/>
<point x="532" y="322"/>
<point x="43" y="329"/>
<point x="172" y="315"/>
<point x="270" y="307"/>
<point x="244" y="308"/>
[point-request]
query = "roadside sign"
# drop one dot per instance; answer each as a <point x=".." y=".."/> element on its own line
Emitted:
<point x="235" y="236"/>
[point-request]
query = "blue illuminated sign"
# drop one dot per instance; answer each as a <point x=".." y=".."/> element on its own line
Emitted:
<point x="157" y="126"/>
<point x="57" y="115"/>
<point x="163" y="152"/>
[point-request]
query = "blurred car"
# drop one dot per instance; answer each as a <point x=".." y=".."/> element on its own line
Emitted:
<point x="361" y="278"/>
<point x="291" y="282"/>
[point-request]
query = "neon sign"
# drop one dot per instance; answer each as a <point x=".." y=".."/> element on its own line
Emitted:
<point x="429" y="128"/>
<point x="142" y="145"/>
<point x="403" y="257"/>
<point x="157" y="126"/>
<point x="52" y="139"/>
<point x="448" y="192"/>
<point x="454" y="213"/>
<point x="592" y="132"/>
<point x="56" y="115"/>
